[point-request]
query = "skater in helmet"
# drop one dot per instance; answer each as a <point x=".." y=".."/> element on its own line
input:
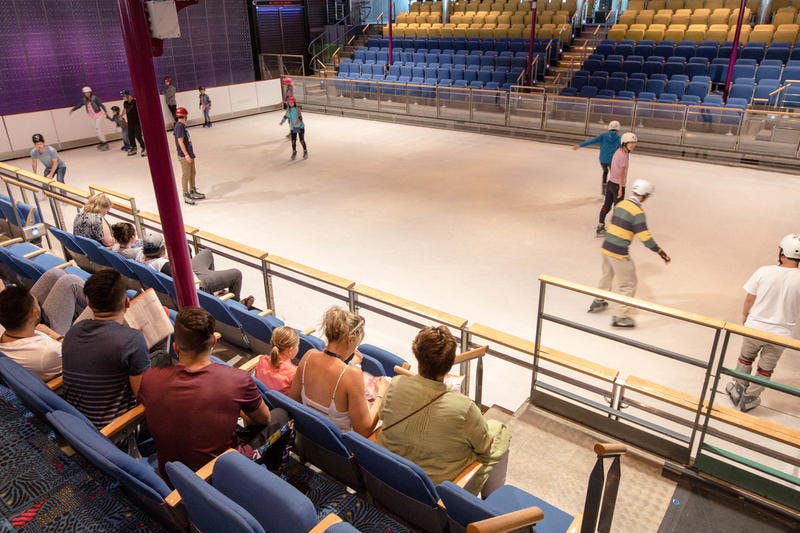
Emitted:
<point x="615" y="188"/>
<point x="295" y="118"/>
<point x="609" y="143"/>
<point x="183" y="143"/>
<point x="169" y="96"/>
<point x="95" y="110"/>
<point x="627" y="221"/>
<point x="54" y="166"/>
<point x="772" y="305"/>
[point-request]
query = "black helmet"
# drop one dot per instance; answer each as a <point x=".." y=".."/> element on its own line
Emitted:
<point x="201" y="88"/>
<point x="115" y="108"/>
<point x="37" y="138"/>
<point x="124" y="93"/>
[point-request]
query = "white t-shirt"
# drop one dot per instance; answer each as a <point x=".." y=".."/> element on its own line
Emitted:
<point x="777" y="305"/>
<point x="41" y="354"/>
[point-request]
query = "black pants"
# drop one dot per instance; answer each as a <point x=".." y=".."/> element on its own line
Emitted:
<point x="172" y="109"/>
<point x="302" y="132"/>
<point x="135" y="134"/>
<point x="606" y="167"/>
<point x="611" y="199"/>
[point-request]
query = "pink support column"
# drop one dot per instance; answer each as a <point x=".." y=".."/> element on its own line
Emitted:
<point x="530" y="48"/>
<point x="136" y="35"/>
<point x="391" y="35"/>
<point x="732" y="61"/>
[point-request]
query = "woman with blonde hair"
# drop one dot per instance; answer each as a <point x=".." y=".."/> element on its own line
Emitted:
<point x="276" y="370"/>
<point x="90" y="222"/>
<point x="331" y="386"/>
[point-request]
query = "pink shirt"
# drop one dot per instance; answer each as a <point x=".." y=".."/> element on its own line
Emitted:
<point x="92" y="112"/>
<point x="280" y="378"/>
<point x="619" y="167"/>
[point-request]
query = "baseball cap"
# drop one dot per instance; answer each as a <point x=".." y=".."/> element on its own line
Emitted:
<point x="152" y="245"/>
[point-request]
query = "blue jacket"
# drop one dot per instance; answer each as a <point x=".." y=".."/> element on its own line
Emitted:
<point x="295" y="118"/>
<point x="609" y="142"/>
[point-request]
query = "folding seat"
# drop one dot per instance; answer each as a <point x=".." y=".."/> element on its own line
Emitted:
<point x="653" y="65"/>
<point x="659" y="76"/>
<point x="606" y="47"/>
<point x="707" y="52"/>
<point x="675" y="32"/>
<point x="635" y="85"/>
<point x="693" y="5"/>
<point x="655" y="86"/>
<point x="697" y="66"/>
<point x="690" y="99"/>
<point x="675" y="5"/>
<point x="446" y="59"/>
<point x="588" y="91"/>
<point x="714" y="4"/>
<point x="675" y="65"/>
<point x="568" y="91"/>
<point x="784" y="15"/>
<point x="624" y="49"/>
<point x="664" y="49"/>
<point x="762" y="33"/>
<point x="484" y="76"/>
<point x="626" y="95"/>
<point x="486" y="61"/>
<point x="780" y="52"/>
<point x="628" y="17"/>
<point x="643" y="49"/>
<point x="360" y="54"/>
<point x="713" y="100"/>
<point x="616" y="84"/>
<point x="470" y="75"/>
<point x="676" y="87"/>
<point x="744" y="69"/>
<point x="615" y="57"/>
<point x="725" y="51"/>
<point x="681" y="16"/>
<point x="598" y="81"/>
<point x="645" y="17"/>
<point x="742" y="90"/>
<point x="592" y="64"/>
<point x="696" y="33"/>
<point x="636" y="32"/>
<point x="663" y="16"/>
<point x="720" y="16"/>
<point x="579" y="81"/>
<point x="786" y="33"/>
<point x="700" y="16"/>
<point x="645" y="96"/>
<point x="791" y="74"/>
<point x="633" y="64"/>
<point x="612" y="66"/>
<point x="768" y="72"/>
<point x="743" y="37"/>
<point x="679" y="77"/>
<point x="617" y="32"/>
<point x="763" y="96"/>
<point x="685" y="51"/>
<point x="753" y="50"/>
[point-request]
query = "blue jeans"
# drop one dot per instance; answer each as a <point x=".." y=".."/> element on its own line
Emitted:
<point x="207" y="115"/>
<point x="60" y="172"/>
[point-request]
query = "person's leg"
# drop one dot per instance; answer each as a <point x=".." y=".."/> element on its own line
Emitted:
<point x="45" y="284"/>
<point x="203" y="261"/>
<point x="139" y="136"/>
<point x="294" y="141"/>
<point x="497" y="477"/>
<point x="302" y="134"/>
<point x="98" y="129"/>
<point x="193" y="175"/>
<point x="767" y="361"/>
<point x="217" y="280"/>
<point x="126" y="140"/>
<point x="186" y="171"/>
<point x="63" y="303"/>
<point x="61" y="172"/>
<point x="133" y="133"/>
<point x="606" y="168"/>
<point x="172" y="110"/>
<point x="625" y="272"/>
<point x="618" y="199"/>
<point x="269" y="442"/>
<point x="611" y="195"/>
<point x="606" y="278"/>
<point x="206" y="116"/>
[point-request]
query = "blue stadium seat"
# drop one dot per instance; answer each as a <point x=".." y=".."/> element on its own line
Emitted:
<point x="697" y="66"/>
<point x="664" y="49"/>
<point x="626" y="95"/>
<point x="568" y="91"/>
<point x="675" y="65"/>
<point x="644" y="49"/>
<point x="685" y="51"/>
<point x="754" y="51"/>
<point x="781" y="53"/>
<point x="645" y="96"/>
<point x="743" y="91"/>
<point x="690" y="99"/>
<point x="698" y="89"/>
<point x="588" y="91"/>
<point x="579" y="81"/>
<point x="762" y="96"/>
<point x="768" y="72"/>
<point x="676" y="87"/>
<point x="624" y="48"/>
<point x="742" y="69"/>
<point x="653" y="65"/>
<point x="635" y="85"/>
<point x="598" y="82"/>
<point x="606" y="47"/>
<point x="616" y="84"/>
<point x="707" y="52"/>
<point x="633" y="64"/>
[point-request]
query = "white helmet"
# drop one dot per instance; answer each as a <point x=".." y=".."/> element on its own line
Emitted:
<point x="642" y="187"/>
<point x="628" y="138"/>
<point x="86" y="89"/>
<point x="791" y="246"/>
<point x="613" y="125"/>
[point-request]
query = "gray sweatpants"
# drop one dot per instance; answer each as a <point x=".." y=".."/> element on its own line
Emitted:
<point x="624" y="271"/>
<point x="61" y="297"/>
<point x="768" y="357"/>
<point x="215" y="280"/>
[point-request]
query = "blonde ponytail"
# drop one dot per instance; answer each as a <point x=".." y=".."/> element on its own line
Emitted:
<point x="283" y="338"/>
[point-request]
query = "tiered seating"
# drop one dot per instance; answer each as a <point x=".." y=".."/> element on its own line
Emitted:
<point x="478" y="63"/>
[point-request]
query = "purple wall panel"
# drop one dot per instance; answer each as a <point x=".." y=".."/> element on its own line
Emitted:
<point x="49" y="49"/>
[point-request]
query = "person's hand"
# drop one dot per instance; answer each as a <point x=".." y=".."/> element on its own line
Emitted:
<point x="188" y="159"/>
<point x="619" y="192"/>
<point x="664" y="256"/>
<point x="358" y="357"/>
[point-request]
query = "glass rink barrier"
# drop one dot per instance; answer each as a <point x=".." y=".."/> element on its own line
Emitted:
<point x="761" y="133"/>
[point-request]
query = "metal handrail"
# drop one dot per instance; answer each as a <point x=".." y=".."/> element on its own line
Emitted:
<point x="312" y="43"/>
<point x="339" y="42"/>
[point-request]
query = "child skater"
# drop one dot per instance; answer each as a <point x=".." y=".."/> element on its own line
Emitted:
<point x="295" y="118"/>
<point x="205" y="106"/>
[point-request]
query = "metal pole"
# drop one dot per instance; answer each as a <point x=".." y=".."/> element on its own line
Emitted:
<point x="391" y="33"/>
<point x="732" y="60"/>
<point x="530" y="47"/>
<point x="138" y="48"/>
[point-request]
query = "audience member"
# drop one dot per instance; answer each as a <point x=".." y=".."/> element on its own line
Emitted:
<point x="104" y="359"/>
<point x="61" y="298"/>
<point x="330" y="385"/>
<point x="153" y="254"/>
<point x="276" y="370"/>
<point x="192" y="407"/>
<point x="440" y="430"/>
<point x="127" y="243"/>
<point x="90" y="222"/>
<point x="31" y="344"/>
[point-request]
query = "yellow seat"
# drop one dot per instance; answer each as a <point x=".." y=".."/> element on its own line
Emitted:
<point x="732" y="20"/>
<point x="490" y="19"/>
<point x="720" y="16"/>
<point x="696" y="33"/>
<point x="472" y="7"/>
<point x="517" y="18"/>
<point x="681" y="16"/>
<point x="655" y="32"/>
<point x="785" y="15"/>
<point x="545" y="17"/>
<point x="504" y="19"/>
<point x="448" y="30"/>
<point x="732" y="4"/>
<point x="786" y="33"/>
<point x="628" y="17"/>
<point x="657" y="5"/>
<point x="645" y="17"/>
<point x="717" y="32"/>
<point x="743" y="37"/>
<point x="487" y="31"/>
<point x="674" y="34"/>
<point x="714" y="4"/>
<point x="515" y="31"/>
<point x="635" y="34"/>
<point x="616" y="34"/>
<point x="674" y="5"/>
<point x="694" y="5"/>
<point x="664" y="16"/>
<point x="479" y="19"/>
<point x="457" y="18"/>
<point x="525" y="7"/>
<point x="700" y="16"/>
<point x="415" y="7"/>
<point x="636" y="5"/>
<point x="762" y="33"/>
<point x="528" y="19"/>
<point x="560" y="18"/>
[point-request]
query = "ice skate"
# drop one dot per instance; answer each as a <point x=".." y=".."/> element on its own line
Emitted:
<point x="748" y="403"/>
<point x="735" y="392"/>
<point x="144" y="153"/>
<point x="305" y="154"/>
<point x="103" y="146"/>
<point x="294" y="155"/>
<point x="197" y="195"/>
<point x="597" y="306"/>
<point x="132" y="152"/>
<point x="623" y="322"/>
<point x="187" y="198"/>
<point x="600" y="231"/>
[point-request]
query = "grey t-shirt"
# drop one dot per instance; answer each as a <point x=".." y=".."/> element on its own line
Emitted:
<point x="47" y="156"/>
<point x="169" y="94"/>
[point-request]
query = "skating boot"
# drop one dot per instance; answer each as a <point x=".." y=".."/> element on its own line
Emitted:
<point x="103" y="147"/>
<point x="144" y="153"/>
<point x="132" y="151"/>
<point x="735" y="391"/>
<point x="600" y="231"/>
<point x="748" y="403"/>
<point x="623" y="322"/>
<point x="197" y="195"/>
<point x="305" y="154"/>
<point x="597" y="306"/>
<point x="294" y="155"/>
<point x="187" y="198"/>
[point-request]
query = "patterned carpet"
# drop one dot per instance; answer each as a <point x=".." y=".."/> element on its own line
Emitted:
<point x="42" y="490"/>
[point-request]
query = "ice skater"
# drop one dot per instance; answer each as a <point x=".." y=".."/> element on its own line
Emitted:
<point x="95" y="110"/>
<point x="54" y="166"/>
<point x="131" y="112"/>
<point x="205" y="107"/>
<point x="295" y="118"/>
<point x="615" y="187"/>
<point x="627" y="221"/>
<point x="122" y="124"/>
<point x="169" y="96"/>
<point x="772" y="305"/>
<point x="609" y="143"/>
<point x="183" y="143"/>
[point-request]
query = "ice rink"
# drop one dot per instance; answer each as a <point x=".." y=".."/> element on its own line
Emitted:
<point x="466" y="223"/>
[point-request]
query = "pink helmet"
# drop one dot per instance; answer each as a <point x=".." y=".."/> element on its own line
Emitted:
<point x="291" y="100"/>
<point x="286" y="81"/>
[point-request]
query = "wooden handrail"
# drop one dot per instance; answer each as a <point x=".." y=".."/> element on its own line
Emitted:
<point x="410" y="306"/>
<point x="16" y="183"/>
<point x="173" y="499"/>
<point x="471" y="354"/>
<point x="31" y="255"/>
<point x="153" y="217"/>
<point x="634" y="302"/>
<point x="250" y="364"/>
<point x="70" y="263"/>
<point x="55" y="383"/>
<point x="64" y="199"/>
<point x="123" y="421"/>
<point x="512" y="521"/>
<point x="548" y="354"/>
<point x="759" y="335"/>
<point x="11" y="241"/>
<point x="110" y="192"/>
<point x="70" y="189"/>
<point x="36" y="177"/>
<point x="9" y="168"/>
<point x="311" y="272"/>
<point x="231" y="245"/>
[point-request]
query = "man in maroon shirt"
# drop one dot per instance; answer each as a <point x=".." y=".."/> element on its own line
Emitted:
<point x="192" y="407"/>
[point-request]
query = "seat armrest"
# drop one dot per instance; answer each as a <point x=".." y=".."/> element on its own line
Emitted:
<point x="575" y="526"/>
<point x="250" y="364"/>
<point x="466" y="475"/>
<point x="471" y="354"/>
<point x="226" y="296"/>
<point x="65" y="265"/>
<point x="173" y="499"/>
<point x="609" y="449"/>
<point x="265" y="312"/>
<point x="507" y="522"/>
<point x="402" y="370"/>
<point x="308" y="331"/>
<point x="35" y="253"/>
<point x="325" y="523"/>
<point x="123" y="421"/>
<point x="9" y="242"/>
<point x="55" y="383"/>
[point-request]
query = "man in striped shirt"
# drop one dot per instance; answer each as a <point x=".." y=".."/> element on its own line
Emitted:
<point x="627" y="221"/>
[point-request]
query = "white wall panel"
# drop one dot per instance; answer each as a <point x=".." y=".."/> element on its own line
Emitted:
<point x="243" y="97"/>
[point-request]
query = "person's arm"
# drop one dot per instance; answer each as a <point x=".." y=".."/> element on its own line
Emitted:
<point x="259" y="416"/>
<point x="362" y="416"/>
<point x="138" y="362"/>
<point x="623" y="179"/>
<point x="136" y="382"/>
<point x="108" y="239"/>
<point x="49" y="332"/>
<point x="101" y="105"/>
<point x="589" y="142"/>
<point x="640" y="230"/>
<point x="749" y="300"/>
<point x="35" y="163"/>
<point x="186" y="155"/>
<point x="294" y="390"/>
<point x="78" y="106"/>
<point x="53" y="168"/>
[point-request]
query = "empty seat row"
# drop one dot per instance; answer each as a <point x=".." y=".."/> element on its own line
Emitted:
<point x="547" y="17"/>
<point x="514" y="7"/>
<point x="518" y="44"/>
<point x="699" y="86"/>
<point x="746" y="68"/>
<point x="562" y="32"/>
<point x="708" y="49"/>
<point x="674" y="5"/>
<point x="475" y="61"/>
<point x="682" y="16"/>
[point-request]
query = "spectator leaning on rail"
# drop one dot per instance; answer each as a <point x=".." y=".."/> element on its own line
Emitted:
<point x="627" y="221"/>
<point x="192" y="406"/>
<point x="326" y="383"/>
<point x="772" y="305"/>
<point x="54" y="166"/>
<point x="96" y="111"/>
<point x="609" y="143"/>
<point x="440" y="430"/>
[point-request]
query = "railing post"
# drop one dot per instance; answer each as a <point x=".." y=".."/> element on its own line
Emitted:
<point x="268" y="292"/>
<point x="588" y="112"/>
<point x="465" y="368"/>
<point x="706" y="379"/>
<point x="683" y="125"/>
<point x="717" y="376"/>
<point x="352" y="300"/>
<point x="537" y="337"/>
<point x="471" y="111"/>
